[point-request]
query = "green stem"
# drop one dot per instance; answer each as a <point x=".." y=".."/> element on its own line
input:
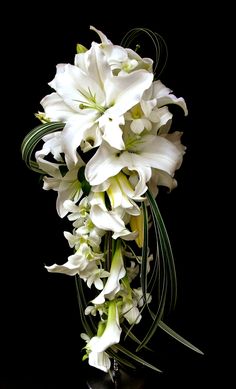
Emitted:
<point x="109" y="250"/>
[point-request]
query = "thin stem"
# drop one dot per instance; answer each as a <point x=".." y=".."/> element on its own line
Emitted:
<point x="108" y="250"/>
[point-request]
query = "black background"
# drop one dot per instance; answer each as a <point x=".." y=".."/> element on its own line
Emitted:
<point x="40" y="345"/>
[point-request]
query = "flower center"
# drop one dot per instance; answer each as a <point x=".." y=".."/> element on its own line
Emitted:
<point x="90" y="102"/>
<point x="132" y="143"/>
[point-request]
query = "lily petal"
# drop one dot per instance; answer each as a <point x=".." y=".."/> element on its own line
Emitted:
<point x="111" y="334"/>
<point x="117" y="272"/>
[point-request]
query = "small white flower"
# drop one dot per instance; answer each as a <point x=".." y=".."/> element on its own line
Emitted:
<point x="86" y="263"/>
<point x="67" y="185"/>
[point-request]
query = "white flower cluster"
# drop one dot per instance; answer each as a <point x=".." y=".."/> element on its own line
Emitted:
<point x="112" y="108"/>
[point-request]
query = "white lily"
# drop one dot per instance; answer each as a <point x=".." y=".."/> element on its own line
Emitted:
<point x="142" y="153"/>
<point x="93" y="96"/>
<point x="117" y="272"/>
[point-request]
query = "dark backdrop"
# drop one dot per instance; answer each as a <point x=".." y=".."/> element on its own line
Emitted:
<point x="40" y="343"/>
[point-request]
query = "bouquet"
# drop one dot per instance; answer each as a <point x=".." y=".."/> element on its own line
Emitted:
<point x="105" y="146"/>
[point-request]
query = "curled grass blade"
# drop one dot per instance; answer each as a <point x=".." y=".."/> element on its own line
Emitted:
<point x="159" y="44"/>
<point x="32" y="139"/>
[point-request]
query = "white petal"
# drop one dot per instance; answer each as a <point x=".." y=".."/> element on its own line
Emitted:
<point x="50" y="168"/>
<point x="158" y="152"/>
<point x="126" y="91"/>
<point x="137" y="126"/>
<point x="104" y="164"/>
<point x="117" y="272"/>
<point x="105" y="220"/>
<point x="55" y="108"/>
<point x="112" y="131"/>
<point x="161" y="116"/>
<point x="148" y="105"/>
<point x="68" y="269"/>
<point x="100" y="360"/>
<point x="102" y="36"/>
<point x="164" y="96"/>
<point x="111" y="334"/>
<point x="73" y="134"/>
<point x="73" y="85"/>
<point x="131" y="313"/>
<point x="160" y="178"/>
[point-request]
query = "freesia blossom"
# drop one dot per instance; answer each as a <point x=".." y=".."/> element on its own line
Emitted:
<point x="84" y="228"/>
<point x="84" y="263"/>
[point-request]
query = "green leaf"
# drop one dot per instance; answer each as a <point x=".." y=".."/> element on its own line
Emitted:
<point x="163" y="281"/>
<point x="180" y="339"/>
<point x="86" y="321"/>
<point x="144" y="252"/>
<point x="136" y="358"/>
<point x="167" y="250"/>
<point x="32" y="139"/>
<point x="121" y="360"/>
<point x="133" y="337"/>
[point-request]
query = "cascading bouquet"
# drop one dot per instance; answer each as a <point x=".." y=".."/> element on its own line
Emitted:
<point x="106" y="148"/>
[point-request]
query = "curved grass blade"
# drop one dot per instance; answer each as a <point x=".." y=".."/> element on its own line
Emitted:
<point x="136" y="358"/>
<point x="144" y="252"/>
<point x="168" y="255"/>
<point x="178" y="337"/>
<point x="156" y="319"/>
<point x="156" y="39"/>
<point x="163" y="293"/>
<point x="89" y="328"/>
<point x="155" y="279"/>
<point x="133" y="337"/>
<point x="33" y="138"/>
<point x="121" y="360"/>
